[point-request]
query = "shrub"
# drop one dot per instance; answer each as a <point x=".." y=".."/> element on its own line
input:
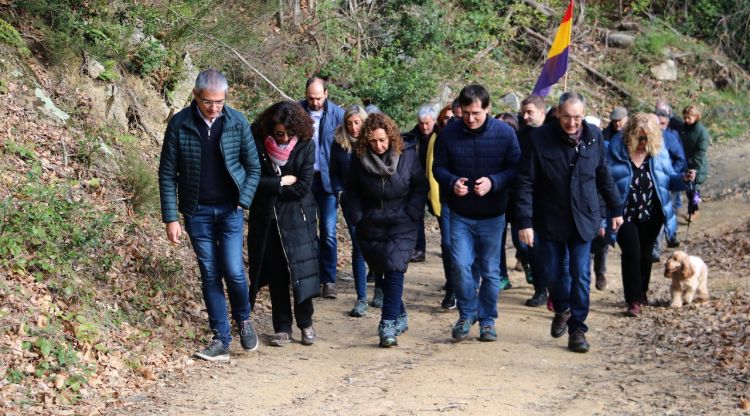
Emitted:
<point x="138" y="179"/>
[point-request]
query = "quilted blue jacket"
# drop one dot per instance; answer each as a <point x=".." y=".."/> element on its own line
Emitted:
<point x="493" y="153"/>
<point x="664" y="177"/>
<point x="180" y="163"/>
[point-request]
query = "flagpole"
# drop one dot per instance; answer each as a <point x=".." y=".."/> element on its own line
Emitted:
<point x="570" y="46"/>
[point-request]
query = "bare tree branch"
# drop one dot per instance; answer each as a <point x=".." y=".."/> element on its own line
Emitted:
<point x="217" y="42"/>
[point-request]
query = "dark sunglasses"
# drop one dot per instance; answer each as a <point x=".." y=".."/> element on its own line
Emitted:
<point x="282" y="134"/>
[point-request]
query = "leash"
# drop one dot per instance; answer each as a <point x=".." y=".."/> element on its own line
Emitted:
<point x="690" y="210"/>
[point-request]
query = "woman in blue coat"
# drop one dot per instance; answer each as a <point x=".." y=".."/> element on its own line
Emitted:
<point x="643" y="176"/>
<point x="385" y="193"/>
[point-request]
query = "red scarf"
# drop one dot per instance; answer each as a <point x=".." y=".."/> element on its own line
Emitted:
<point x="279" y="155"/>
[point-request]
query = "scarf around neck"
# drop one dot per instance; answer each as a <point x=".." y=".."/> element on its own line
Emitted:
<point x="380" y="166"/>
<point x="279" y="154"/>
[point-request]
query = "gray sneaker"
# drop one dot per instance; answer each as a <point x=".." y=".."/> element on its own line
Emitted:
<point x="248" y="338"/>
<point x="216" y="351"/>
<point x="377" y="298"/>
<point x="360" y="309"/>
<point x="308" y="335"/>
<point x="280" y="339"/>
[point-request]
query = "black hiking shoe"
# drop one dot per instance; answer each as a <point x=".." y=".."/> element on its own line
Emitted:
<point x="560" y="324"/>
<point x="577" y="342"/>
<point x="449" y="302"/>
<point x="539" y="298"/>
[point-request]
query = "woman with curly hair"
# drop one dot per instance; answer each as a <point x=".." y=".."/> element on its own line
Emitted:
<point x="282" y="240"/>
<point x="341" y="156"/>
<point x="643" y="175"/>
<point x="444" y="116"/>
<point x="385" y="193"/>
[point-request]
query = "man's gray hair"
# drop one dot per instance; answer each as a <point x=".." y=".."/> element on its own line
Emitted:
<point x="572" y="97"/>
<point x="211" y="79"/>
<point x="426" y="111"/>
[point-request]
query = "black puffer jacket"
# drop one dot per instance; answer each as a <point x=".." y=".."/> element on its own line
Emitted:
<point x="385" y="211"/>
<point x="293" y="209"/>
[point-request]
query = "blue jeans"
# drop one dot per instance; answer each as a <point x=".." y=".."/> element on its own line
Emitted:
<point x="216" y="234"/>
<point x="359" y="267"/>
<point x="444" y="222"/>
<point x="476" y="243"/>
<point x="568" y="290"/>
<point x="327" y="229"/>
<point x="392" y="284"/>
<point x="503" y="260"/>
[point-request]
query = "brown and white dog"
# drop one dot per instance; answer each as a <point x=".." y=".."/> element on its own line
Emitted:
<point x="689" y="276"/>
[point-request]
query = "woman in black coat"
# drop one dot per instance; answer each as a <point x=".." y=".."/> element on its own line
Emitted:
<point x="386" y="191"/>
<point x="282" y="239"/>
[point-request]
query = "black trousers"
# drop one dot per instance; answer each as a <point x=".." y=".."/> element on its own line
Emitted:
<point x="636" y="239"/>
<point x="599" y="251"/>
<point x="277" y="270"/>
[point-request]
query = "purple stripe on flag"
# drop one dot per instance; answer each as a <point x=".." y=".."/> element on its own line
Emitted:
<point x="553" y="70"/>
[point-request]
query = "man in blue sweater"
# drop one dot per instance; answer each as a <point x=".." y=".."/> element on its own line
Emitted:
<point x="475" y="162"/>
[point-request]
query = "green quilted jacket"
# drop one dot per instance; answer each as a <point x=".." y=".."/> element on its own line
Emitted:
<point x="695" y="142"/>
<point x="180" y="163"/>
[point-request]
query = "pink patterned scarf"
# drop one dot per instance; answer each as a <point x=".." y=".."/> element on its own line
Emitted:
<point x="279" y="154"/>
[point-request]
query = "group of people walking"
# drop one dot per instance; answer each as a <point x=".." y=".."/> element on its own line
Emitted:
<point x="556" y="179"/>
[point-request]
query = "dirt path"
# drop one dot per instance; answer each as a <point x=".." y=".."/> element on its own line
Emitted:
<point x="525" y="373"/>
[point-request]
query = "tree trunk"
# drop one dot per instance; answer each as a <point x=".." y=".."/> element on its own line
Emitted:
<point x="297" y="13"/>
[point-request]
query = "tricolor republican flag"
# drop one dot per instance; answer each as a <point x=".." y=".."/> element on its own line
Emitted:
<point x="557" y="59"/>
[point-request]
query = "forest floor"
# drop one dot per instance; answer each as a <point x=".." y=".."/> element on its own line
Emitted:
<point x="672" y="362"/>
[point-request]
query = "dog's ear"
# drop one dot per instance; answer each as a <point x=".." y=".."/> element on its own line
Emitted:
<point x="687" y="267"/>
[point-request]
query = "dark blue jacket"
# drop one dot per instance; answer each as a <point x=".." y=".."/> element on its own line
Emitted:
<point x="674" y="147"/>
<point x="560" y="201"/>
<point x="339" y="167"/>
<point x="333" y="115"/>
<point x="664" y="176"/>
<point x="180" y="162"/>
<point x="492" y="152"/>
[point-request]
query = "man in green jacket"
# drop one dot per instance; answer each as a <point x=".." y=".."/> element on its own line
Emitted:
<point x="208" y="171"/>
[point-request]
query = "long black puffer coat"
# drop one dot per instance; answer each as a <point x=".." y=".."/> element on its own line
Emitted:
<point x="385" y="211"/>
<point x="290" y="211"/>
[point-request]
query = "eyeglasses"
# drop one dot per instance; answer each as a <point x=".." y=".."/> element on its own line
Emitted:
<point x="642" y="139"/>
<point x="282" y="134"/>
<point x="567" y="117"/>
<point x="211" y="103"/>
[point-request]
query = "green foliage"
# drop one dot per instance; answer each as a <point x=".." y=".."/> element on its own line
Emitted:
<point x="109" y="73"/>
<point x="723" y="23"/>
<point x="139" y="180"/>
<point x="9" y="35"/>
<point x="45" y="233"/>
<point x="651" y="45"/>
<point x="149" y="57"/>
